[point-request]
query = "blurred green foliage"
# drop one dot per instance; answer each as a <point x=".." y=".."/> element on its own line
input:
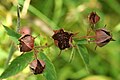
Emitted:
<point x="45" y="15"/>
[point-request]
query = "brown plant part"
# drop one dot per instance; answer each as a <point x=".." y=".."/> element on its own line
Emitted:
<point x="103" y="37"/>
<point x="62" y="39"/>
<point x="37" y="66"/>
<point x="26" y="43"/>
<point x="93" y="18"/>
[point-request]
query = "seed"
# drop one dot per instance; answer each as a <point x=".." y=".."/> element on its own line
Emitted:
<point x="93" y="18"/>
<point x="103" y="37"/>
<point x="37" y="66"/>
<point x="26" y="43"/>
<point x="62" y="39"/>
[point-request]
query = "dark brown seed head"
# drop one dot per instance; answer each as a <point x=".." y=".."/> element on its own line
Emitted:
<point x="37" y="66"/>
<point x="93" y="18"/>
<point x="26" y="43"/>
<point x="103" y="37"/>
<point x="62" y="39"/>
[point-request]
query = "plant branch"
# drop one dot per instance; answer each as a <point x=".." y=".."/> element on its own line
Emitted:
<point x="12" y="48"/>
<point x="18" y="19"/>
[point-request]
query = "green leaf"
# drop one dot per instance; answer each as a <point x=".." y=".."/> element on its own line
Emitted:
<point x="17" y="65"/>
<point x="49" y="73"/>
<point x="11" y="32"/>
<point x="84" y="54"/>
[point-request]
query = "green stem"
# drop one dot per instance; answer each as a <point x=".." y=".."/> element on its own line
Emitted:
<point x="18" y="19"/>
<point x="72" y="55"/>
<point x="12" y="48"/>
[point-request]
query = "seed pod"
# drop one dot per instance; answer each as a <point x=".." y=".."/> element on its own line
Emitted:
<point x="62" y="39"/>
<point x="103" y="37"/>
<point x="26" y="43"/>
<point x="37" y="66"/>
<point x="93" y="18"/>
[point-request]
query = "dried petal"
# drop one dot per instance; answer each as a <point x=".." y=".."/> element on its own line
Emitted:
<point x="37" y="66"/>
<point x="93" y="18"/>
<point x="62" y="39"/>
<point x="26" y="43"/>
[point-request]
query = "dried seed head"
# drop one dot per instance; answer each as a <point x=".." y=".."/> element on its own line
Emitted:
<point x="103" y="37"/>
<point x="62" y="39"/>
<point x="26" y="43"/>
<point x="93" y="18"/>
<point x="37" y="66"/>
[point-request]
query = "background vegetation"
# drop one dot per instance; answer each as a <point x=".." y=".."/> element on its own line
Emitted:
<point x="43" y="16"/>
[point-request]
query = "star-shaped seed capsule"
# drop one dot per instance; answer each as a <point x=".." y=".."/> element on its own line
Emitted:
<point x="62" y="39"/>
<point x="103" y="37"/>
<point x="26" y="43"/>
<point x="37" y="66"/>
<point x="93" y="18"/>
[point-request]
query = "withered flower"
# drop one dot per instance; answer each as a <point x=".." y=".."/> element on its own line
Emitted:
<point x="62" y="39"/>
<point x="37" y="66"/>
<point x="26" y="43"/>
<point x="93" y="18"/>
<point x="103" y="37"/>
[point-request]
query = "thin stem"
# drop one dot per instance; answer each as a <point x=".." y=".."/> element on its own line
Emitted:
<point x="93" y="26"/>
<point x="95" y="47"/>
<point x="43" y="46"/>
<point x="88" y="31"/>
<point x="18" y="19"/>
<point x="35" y="53"/>
<point x="12" y="48"/>
<point x="72" y="55"/>
<point x="60" y="53"/>
<point x="86" y="37"/>
<point x="37" y="36"/>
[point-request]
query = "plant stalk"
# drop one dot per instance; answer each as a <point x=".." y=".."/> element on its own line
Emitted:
<point x="12" y="48"/>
